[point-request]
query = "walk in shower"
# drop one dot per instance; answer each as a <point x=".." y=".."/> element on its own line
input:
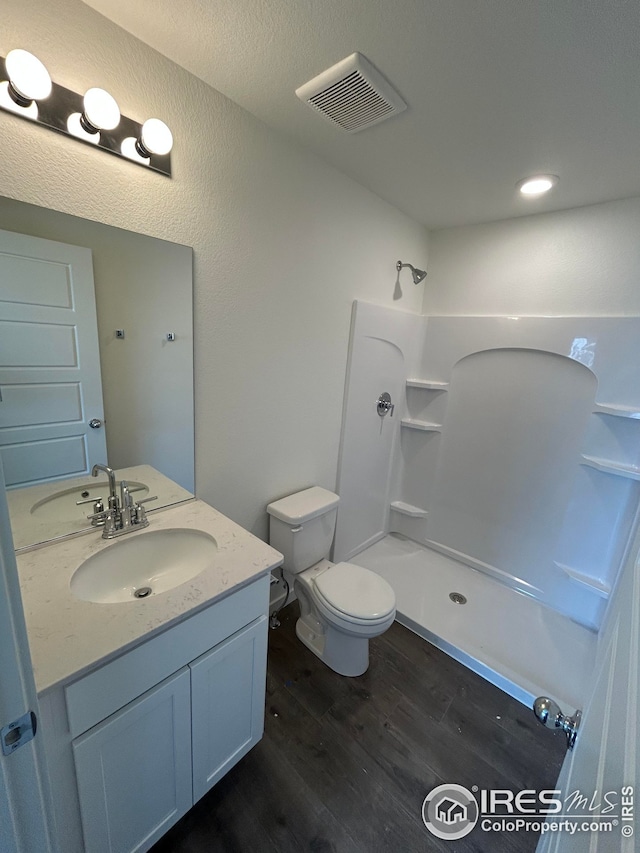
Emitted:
<point x="498" y="488"/>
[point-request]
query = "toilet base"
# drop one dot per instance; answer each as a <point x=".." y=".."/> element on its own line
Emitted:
<point x="343" y="654"/>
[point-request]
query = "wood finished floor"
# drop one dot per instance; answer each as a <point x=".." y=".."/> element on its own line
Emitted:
<point x="345" y="763"/>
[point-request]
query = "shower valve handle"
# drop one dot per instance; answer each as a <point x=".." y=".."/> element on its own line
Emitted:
<point x="384" y="405"/>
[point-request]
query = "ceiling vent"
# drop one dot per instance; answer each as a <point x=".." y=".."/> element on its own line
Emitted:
<point x="352" y="94"/>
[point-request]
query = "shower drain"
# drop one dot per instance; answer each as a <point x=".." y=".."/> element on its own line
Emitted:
<point x="143" y="592"/>
<point x="458" y="598"/>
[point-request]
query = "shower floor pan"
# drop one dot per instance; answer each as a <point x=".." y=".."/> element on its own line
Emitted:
<point x="516" y="643"/>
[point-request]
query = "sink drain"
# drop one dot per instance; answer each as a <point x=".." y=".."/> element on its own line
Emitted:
<point x="458" y="598"/>
<point x="143" y="592"/>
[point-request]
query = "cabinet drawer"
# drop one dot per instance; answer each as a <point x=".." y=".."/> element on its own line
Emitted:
<point x="114" y="685"/>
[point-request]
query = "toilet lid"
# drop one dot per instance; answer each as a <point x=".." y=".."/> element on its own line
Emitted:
<point x="356" y="591"/>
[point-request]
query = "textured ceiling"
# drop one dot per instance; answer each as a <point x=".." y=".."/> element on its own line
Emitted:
<point x="497" y="90"/>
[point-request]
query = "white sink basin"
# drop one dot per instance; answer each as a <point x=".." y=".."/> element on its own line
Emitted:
<point x="61" y="506"/>
<point x="143" y="566"/>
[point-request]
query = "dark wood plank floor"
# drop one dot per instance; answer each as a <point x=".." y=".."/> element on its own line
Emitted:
<point x="345" y="763"/>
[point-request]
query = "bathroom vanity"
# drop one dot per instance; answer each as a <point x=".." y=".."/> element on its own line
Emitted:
<point x="146" y="703"/>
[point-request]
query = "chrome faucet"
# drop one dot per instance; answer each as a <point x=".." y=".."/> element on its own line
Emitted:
<point x="126" y="506"/>
<point x="111" y="474"/>
<point x="123" y="514"/>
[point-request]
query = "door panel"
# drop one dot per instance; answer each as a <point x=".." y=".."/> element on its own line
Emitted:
<point x="48" y="459"/>
<point x="605" y="757"/>
<point x="29" y="405"/>
<point x="227" y="705"/>
<point x="134" y="770"/>
<point x="36" y="281"/>
<point x="26" y="816"/>
<point x="50" y="383"/>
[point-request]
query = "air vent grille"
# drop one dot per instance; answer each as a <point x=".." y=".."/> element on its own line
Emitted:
<point x="352" y="95"/>
<point x="352" y="102"/>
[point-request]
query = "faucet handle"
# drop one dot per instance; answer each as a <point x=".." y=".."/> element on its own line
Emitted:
<point x="140" y="518"/>
<point x="107" y="518"/>
<point x="126" y="500"/>
<point x="139" y="512"/>
<point x="101" y="516"/>
<point x="146" y="500"/>
<point x="110" y="525"/>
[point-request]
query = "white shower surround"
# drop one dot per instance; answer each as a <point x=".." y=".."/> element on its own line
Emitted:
<point x="483" y="473"/>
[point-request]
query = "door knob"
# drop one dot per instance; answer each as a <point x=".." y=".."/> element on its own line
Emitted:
<point x="549" y="714"/>
<point x="95" y="423"/>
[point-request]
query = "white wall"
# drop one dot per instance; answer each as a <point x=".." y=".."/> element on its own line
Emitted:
<point x="584" y="261"/>
<point x="283" y="244"/>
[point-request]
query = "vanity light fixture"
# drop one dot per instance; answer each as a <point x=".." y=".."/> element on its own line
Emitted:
<point x="28" y="79"/>
<point x="155" y="138"/>
<point x="26" y="89"/>
<point x="537" y="185"/>
<point x="99" y="112"/>
<point x="27" y="82"/>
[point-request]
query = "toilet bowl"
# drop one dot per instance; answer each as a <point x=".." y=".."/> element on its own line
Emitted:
<point x="342" y="606"/>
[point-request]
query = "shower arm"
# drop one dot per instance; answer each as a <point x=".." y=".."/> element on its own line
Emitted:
<point x="416" y="274"/>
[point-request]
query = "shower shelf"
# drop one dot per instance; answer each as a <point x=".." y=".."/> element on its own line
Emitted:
<point x="408" y="509"/>
<point x="595" y="585"/>
<point x="427" y="384"/>
<point x="631" y="472"/>
<point x="425" y="426"/>
<point x="617" y="410"/>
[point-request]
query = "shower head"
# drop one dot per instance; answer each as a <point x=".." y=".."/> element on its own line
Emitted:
<point x="416" y="274"/>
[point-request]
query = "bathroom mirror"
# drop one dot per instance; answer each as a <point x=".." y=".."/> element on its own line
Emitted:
<point x="144" y="307"/>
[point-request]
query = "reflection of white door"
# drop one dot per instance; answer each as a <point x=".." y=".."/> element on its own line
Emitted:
<point x="606" y="757"/>
<point x="26" y="818"/>
<point x="50" y="381"/>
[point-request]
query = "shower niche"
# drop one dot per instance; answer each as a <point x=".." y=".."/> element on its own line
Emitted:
<point x="514" y="450"/>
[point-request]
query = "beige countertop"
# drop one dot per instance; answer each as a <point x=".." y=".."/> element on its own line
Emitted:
<point x="68" y="636"/>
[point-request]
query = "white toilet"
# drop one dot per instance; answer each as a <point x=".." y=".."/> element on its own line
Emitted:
<point x="341" y="605"/>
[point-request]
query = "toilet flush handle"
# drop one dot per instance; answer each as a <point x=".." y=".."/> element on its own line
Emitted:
<point x="296" y="529"/>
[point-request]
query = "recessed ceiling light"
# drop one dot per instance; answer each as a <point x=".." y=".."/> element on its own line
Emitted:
<point x="537" y="184"/>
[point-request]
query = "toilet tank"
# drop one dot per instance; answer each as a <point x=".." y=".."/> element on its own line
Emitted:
<point x="301" y="527"/>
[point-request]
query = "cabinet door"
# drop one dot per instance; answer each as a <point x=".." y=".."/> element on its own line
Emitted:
<point x="134" y="770"/>
<point x="227" y="704"/>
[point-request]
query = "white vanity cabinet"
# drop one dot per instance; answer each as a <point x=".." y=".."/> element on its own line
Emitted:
<point x="135" y="743"/>
<point x="227" y="704"/>
<point x="134" y="770"/>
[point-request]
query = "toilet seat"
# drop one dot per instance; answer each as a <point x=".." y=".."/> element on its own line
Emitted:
<point x="355" y="594"/>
